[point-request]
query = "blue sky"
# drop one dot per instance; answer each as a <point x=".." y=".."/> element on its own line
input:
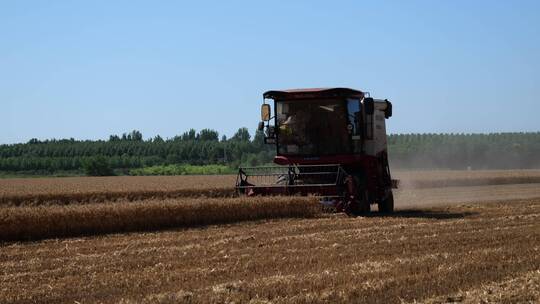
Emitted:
<point x="88" y="69"/>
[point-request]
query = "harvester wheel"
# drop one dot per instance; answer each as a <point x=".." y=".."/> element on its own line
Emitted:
<point x="358" y="208"/>
<point x="387" y="205"/>
<point x="365" y="208"/>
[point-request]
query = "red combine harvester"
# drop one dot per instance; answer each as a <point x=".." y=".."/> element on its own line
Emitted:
<point x="330" y="143"/>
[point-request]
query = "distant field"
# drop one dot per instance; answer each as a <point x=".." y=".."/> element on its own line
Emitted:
<point x="70" y="190"/>
<point x="451" y="178"/>
<point x="48" y="185"/>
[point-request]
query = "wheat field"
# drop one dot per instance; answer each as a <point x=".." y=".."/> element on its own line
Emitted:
<point x="187" y="240"/>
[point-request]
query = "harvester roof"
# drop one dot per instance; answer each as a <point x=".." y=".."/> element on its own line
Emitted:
<point x="313" y="93"/>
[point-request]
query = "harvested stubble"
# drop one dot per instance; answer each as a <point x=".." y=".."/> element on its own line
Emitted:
<point x="32" y="223"/>
<point x="472" y="253"/>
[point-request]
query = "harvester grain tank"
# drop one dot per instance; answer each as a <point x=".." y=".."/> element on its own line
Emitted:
<point x="330" y="143"/>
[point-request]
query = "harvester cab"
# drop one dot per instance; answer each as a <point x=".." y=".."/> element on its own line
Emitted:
<point x="330" y="143"/>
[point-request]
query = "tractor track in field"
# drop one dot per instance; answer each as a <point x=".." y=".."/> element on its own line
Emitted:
<point x="466" y="253"/>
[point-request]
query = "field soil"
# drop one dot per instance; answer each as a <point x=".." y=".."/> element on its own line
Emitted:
<point x="445" y="243"/>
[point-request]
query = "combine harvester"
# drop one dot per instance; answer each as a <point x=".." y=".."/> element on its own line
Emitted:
<point x="330" y="143"/>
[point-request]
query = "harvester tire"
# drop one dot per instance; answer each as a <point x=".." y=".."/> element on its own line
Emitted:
<point x="357" y="209"/>
<point x="387" y="205"/>
<point x="365" y="209"/>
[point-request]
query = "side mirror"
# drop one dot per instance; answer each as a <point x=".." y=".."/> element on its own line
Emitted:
<point x="388" y="111"/>
<point x="369" y="105"/>
<point x="265" y="112"/>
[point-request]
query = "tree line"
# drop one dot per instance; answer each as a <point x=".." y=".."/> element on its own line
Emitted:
<point x="129" y="151"/>
<point x="121" y="153"/>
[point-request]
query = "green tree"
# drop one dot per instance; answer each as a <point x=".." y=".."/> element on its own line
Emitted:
<point x="208" y="134"/>
<point x="136" y="135"/>
<point x="97" y="166"/>
<point x="189" y="135"/>
<point x="242" y="135"/>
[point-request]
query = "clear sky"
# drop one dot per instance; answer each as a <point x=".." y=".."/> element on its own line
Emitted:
<point x="88" y="69"/>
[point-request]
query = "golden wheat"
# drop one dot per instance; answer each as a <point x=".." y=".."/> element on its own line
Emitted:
<point x="31" y="223"/>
